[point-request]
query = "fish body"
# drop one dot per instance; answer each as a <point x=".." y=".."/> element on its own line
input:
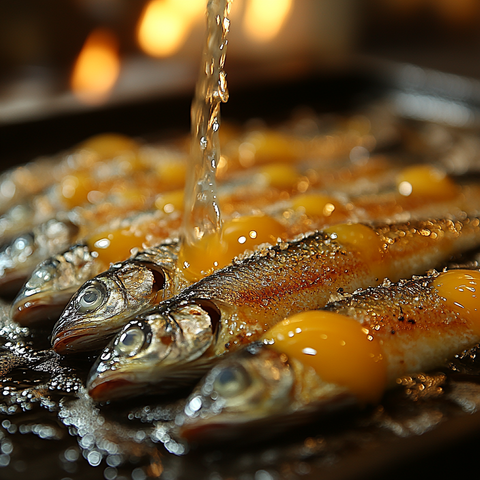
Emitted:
<point x="182" y="337"/>
<point x="97" y="310"/>
<point x="53" y="282"/>
<point x="105" y="153"/>
<point x="302" y="213"/>
<point x="18" y="258"/>
<point x="316" y="362"/>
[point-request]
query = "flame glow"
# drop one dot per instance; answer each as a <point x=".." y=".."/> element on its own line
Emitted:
<point x="97" y="67"/>
<point x="165" y="24"/>
<point x="264" y="19"/>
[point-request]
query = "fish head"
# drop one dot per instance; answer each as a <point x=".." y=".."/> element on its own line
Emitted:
<point x="104" y="304"/>
<point x="246" y="388"/>
<point x="154" y="352"/>
<point x="20" y="256"/>
<point x="51" y="285"/>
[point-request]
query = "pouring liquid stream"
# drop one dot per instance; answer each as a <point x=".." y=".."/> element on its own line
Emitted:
<point x="208" y="243"/>
<point x="202" y="244"/>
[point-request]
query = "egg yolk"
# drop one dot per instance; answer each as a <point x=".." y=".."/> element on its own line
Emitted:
<point x="74" y="189"/>
<point x="461" y="292"/>
<point x="316" y="205"/>
<point x="172" y="173"/>
<point x="365" y="241"/>
<point x="267" y="146"/>
<point x="115" y="246"/>
<point x="109" y="145"/>
<point x="238" y="235"/>
<point x="425" y="180"/>
<point x="279" y="175"/>
<point x="170" y="202"/>
<point x="337" y="347"/>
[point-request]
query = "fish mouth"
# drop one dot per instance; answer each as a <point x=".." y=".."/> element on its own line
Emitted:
<point x="115" y="387"/>
<point x="29" y="311"/>
<point x="77" y="339"/>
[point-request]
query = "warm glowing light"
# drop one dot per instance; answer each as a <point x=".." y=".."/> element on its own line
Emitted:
<point x="164" y="25"/>
<point x="264" y="18"/>
<point x="97" y="67"/>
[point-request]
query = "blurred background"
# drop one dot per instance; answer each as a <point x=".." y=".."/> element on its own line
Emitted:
<point x="76" y="57"/>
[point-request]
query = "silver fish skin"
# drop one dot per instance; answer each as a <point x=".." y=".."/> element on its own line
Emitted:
<point x="20" y="257"/>
<point x="51" y="285"/>
<point x="102" y="306"/>
<point x="182" y="337"/>
<point x="263" y="391"/>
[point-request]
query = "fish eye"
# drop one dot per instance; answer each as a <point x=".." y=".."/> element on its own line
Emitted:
<point x="131" y="341"/>
<point x="232" y="381"/>
<point x="91" y="297"/>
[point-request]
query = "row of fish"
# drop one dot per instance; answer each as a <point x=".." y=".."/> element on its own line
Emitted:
<point x="51" y="284"/>
<point x="168" y="330"/>
<point x="178" y="340"/>
<point x="316" y="363"/>
<point x="156" y="192"/>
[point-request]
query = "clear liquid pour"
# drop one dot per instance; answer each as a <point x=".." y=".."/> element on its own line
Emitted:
<point x="202" y="225"/>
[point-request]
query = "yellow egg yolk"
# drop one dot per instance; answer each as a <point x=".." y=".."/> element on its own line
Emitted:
<point x="170" y="202"/>
<point x="461" y="291"/>
<point x="365" y="241"/>
<point x="172" y="173"/>
<point x="238" y="235"/>
<point x="115" y="246"/>
<point x="425" y="180"/>
<point x="109" y="145"/>
<point x="74" y="189"/>
<point x="267" y="146"/>
<point x="337" y="347"/>
<point x="279" y="175"/>
<point x="317" y="205"/>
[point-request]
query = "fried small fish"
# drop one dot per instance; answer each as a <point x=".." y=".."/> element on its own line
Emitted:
<point x="175" y="342"/>
<point x="19" y="257"/>
<point x="348" y="354"/>
<point x="307" y="212"/>
<point x="53" y="282"/>
<point x="98" y="309"/>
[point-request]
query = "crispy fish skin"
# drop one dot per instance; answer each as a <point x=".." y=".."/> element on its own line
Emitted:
<point x="52" y="284"/>
<point x="260" y="386"/>
<point x="174" y="342"/>
<point x="97" y="310"/>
